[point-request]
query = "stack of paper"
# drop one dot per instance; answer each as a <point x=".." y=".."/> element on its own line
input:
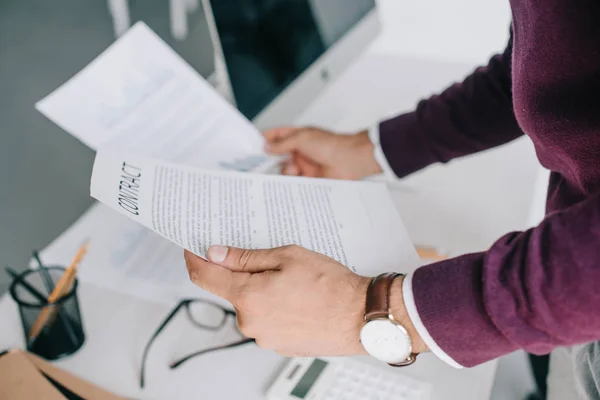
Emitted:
<point x="164" y="139"/>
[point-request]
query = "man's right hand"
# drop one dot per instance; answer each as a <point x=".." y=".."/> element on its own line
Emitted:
<point x="318" y="153"/>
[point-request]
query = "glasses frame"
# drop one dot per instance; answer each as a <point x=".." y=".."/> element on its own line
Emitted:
<point x="186" y="304"/>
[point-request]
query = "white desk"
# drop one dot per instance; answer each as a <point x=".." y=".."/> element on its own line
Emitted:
<point x="462" y="207"/>
<point x="118" y="327"/>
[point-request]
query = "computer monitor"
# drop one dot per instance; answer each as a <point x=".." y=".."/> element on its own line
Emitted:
<point x="273" y="57"/>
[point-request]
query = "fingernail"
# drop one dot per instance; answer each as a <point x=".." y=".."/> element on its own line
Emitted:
<point x="268" y="148"/>
<point x="217" y="253"/>
<point x="291" y="170"/>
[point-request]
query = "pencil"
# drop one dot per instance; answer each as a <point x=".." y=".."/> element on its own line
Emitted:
<point x="430" y="254"/>
<point x="63" y="287"/>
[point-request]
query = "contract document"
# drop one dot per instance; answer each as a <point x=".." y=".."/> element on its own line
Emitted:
<point x="354" y="223"/>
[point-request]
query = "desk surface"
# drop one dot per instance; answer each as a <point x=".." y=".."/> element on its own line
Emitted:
<point x="118" y="326"/>
<point x="462" y="207"/>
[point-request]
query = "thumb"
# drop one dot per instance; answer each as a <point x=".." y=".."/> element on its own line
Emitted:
<point x="274" y="134"/>
<point x="242" y="260"/>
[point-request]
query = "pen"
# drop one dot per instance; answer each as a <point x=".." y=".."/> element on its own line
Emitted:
<point x="44" y="273"/>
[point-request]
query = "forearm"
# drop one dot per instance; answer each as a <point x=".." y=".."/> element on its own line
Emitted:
<point x="468" y="117"/>
<point x="533" y="290"/>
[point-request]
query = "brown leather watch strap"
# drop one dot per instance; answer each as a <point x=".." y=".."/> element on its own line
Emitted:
<point x="378" y="306"/>
<point x="378" y="297"/>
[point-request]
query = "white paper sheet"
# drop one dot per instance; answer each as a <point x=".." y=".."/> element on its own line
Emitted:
<point x="353" y="222"/>
<point x="139" y="94"/>
<point x="125" y="257"/>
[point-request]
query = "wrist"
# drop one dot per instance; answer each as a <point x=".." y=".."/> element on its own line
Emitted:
<point x="366" y="151"/>
<point x="398" y="311"/>
<point x="357" y="312"/>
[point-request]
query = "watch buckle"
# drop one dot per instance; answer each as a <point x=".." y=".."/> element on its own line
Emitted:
<point x="409" y="360"/>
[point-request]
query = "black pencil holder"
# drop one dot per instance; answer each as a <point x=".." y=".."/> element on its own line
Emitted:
<point x="63" y="334"/>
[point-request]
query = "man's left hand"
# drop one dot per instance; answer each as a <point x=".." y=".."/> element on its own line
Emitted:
<point x="290" y="299"/>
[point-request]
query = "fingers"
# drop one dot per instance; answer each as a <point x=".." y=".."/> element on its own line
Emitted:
<point x="289" y="142"/>
<point x="241" y="260"/>
<point x="306" y="168"/>
<point x="290" y="168"/>
<point x="213" y="278"/>
<point x="298" y="165"/>
<point x="279" y="133"/>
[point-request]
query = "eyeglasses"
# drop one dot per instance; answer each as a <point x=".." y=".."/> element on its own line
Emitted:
<point x="203" y="314"/>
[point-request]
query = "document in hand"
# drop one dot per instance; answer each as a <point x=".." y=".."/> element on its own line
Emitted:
<point x="353" y="222"/>
<point x="141" y="96"/>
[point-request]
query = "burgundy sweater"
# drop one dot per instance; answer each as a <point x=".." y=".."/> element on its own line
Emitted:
<point x="540" y="288"/>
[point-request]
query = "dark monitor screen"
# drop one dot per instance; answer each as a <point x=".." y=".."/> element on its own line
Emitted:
<point x="267" y="44"/>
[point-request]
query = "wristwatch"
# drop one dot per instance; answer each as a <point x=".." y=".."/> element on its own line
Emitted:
<point x="382" y="336"/>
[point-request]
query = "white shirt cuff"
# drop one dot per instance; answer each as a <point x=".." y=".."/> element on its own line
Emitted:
<point x="413" y="314"/>
<point x="378" y="153"/>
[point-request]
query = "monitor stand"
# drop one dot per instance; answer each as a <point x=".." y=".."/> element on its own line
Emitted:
<point x="219" y="79"/>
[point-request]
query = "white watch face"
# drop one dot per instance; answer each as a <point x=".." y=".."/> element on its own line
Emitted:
<point x="386" y="341"/>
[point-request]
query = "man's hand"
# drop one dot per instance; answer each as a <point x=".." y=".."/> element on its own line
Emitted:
<point x="292" y="300"/>
<point x="318" y="153"/>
